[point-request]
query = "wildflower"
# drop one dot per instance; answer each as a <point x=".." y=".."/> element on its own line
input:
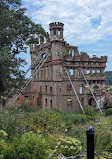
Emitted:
<point x="65" y="129"/>
<point x="62" y="125"/>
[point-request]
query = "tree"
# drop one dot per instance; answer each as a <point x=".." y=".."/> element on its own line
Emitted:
<point x="17" y="31"/>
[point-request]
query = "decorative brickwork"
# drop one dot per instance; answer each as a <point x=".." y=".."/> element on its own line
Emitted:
<point x="52" y="81"/>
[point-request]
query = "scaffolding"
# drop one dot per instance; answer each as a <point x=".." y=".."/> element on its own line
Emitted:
<point x="29" y="79"/>
<point x="74" y="90"/>
<point x="91" y="91"/>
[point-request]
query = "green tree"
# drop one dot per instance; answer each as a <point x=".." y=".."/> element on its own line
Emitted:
<point x="17" y="31"/>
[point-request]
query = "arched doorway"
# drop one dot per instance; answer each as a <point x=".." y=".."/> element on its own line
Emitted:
<point x="91" y="102"/>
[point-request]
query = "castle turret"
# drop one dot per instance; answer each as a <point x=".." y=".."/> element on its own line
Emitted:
<point x="56" y="38"/>
<point x="56" y="31"/>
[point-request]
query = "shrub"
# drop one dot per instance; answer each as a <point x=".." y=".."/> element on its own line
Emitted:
<point x="46" y="121"/>
<point x="3" y="134"/>
<point x="89" y="111"/>
<point x="69" y="146"/>
<point x="28" y="108"/>
<point x="13" y="124"/>
<point x="109" y="147"/>
<point x="102" y="137"/>
<point x="29" y="146"/>
<point x="108" y="112"/>
<point x="73" y="119"/>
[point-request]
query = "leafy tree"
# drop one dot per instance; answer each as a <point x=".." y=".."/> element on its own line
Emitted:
<point x="17" y="31"/>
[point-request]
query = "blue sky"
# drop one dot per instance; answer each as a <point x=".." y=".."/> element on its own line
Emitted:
<point x="87" y="23"/>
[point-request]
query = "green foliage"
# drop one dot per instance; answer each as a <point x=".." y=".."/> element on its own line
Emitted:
<point x="89" y="111"/>
<point x="16" y="33"/>
<point x="3" y="135"/>
<point x="102" y="138"/>
<point x="12" y="124"/>
<point x="46" y="121"/>
<point x="28" y="108"/>
<point x="29" y="146"/>
<point x="52" y="126"/>
<point x="95" y="74"/>
<point x="71" y="118"/>
<point x="109" y="147"/>
<point x="108" y="112"/>
<point x="69" y="146"/>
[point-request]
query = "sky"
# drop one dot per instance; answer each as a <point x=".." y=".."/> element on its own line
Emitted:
<point x="87" y="23"/>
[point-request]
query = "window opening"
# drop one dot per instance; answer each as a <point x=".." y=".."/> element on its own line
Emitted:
<point x="45" y="89"/>
<point x="46" y="102"/>
<point x="51" y="103"/>
<point x="88" y="71"/>
<point x="71" y="72"/>
<point x="59" y="33"/>
<point x="81" y="88"/>
<point x="69" y="103"/>
<point x="50" y="90"/>
<point x="54" y="31"/>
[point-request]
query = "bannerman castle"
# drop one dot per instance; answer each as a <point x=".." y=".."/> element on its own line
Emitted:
<point x="68" y="80"/>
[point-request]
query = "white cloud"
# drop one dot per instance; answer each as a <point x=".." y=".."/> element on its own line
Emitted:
<point x="76" y="15"/>
<point x="80" y="19"/>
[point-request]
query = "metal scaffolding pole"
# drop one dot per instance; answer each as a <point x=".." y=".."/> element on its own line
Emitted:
<point x="26" y="72"/>
<point x="28" y="81"/>
<point x="11" y="91"/>
<point x="74" y="90"/>
<point x="91" y="90"/>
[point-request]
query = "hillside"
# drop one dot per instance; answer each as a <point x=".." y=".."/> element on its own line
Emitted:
<point x="108" y="77"/>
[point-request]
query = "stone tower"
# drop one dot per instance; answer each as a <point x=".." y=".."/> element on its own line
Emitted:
<point x="56" y="38"/>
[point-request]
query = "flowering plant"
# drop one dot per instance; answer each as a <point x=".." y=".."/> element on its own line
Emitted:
<point x="69" y="146"/>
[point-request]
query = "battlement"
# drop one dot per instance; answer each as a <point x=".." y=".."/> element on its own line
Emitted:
<point x="56" y="25"/>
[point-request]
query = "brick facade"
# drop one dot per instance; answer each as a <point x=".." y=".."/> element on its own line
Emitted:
<point x="52" y="74"/>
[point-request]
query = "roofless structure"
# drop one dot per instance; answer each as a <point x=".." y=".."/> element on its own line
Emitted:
<point x="67" y="78"/>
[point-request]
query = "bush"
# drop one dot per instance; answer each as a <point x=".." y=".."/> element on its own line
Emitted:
<point x="108" y="112"/>
<point x="109" y="147"/>
<point x="69" y="146"/>
<point x="13" y="124"/>
<point x="73" y="119"/>
<point x="46" y="121"/>
<point x="89" y="111"/>
<point x="28" y="108"/>
<point x="29" y="146"/>
<point x="3" y="135"/>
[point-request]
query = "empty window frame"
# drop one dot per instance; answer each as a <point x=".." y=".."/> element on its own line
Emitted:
<point x="45" y="89"/>
<point x="26" y="98"/>
<point x="69" y="87"/>
<point x="78" y="72"/>
<point x="72" y="53"/>
<point x="98" y="71"/>
<point x="33" y="99"/>
<point x="54" y="31"/>
<point x="50" y="90"/>
<point x="45" y="102"/>
<point x="93" y="71"/>
<point x="40" y="88"/>
<point x="88" y="71"/>
<point x="51" y="103"/>
<point x="44" y="73"/>
<point x="69" y="103"/>
<point x="71" y="72"/>
<point x="41" y="73"/>
<point x="59" y="32"/>
<point x="81" y="89"/>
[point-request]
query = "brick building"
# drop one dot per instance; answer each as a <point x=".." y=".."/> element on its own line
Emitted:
<point x="51" y="88"/>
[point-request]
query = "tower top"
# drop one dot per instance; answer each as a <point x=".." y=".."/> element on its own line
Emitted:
<point x="55" y="25"/>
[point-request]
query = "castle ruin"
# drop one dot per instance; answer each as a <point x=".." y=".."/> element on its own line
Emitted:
<point x="51" y="88"/>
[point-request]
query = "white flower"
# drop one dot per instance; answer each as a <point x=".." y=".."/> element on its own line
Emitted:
<point x="65" y="129"/>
